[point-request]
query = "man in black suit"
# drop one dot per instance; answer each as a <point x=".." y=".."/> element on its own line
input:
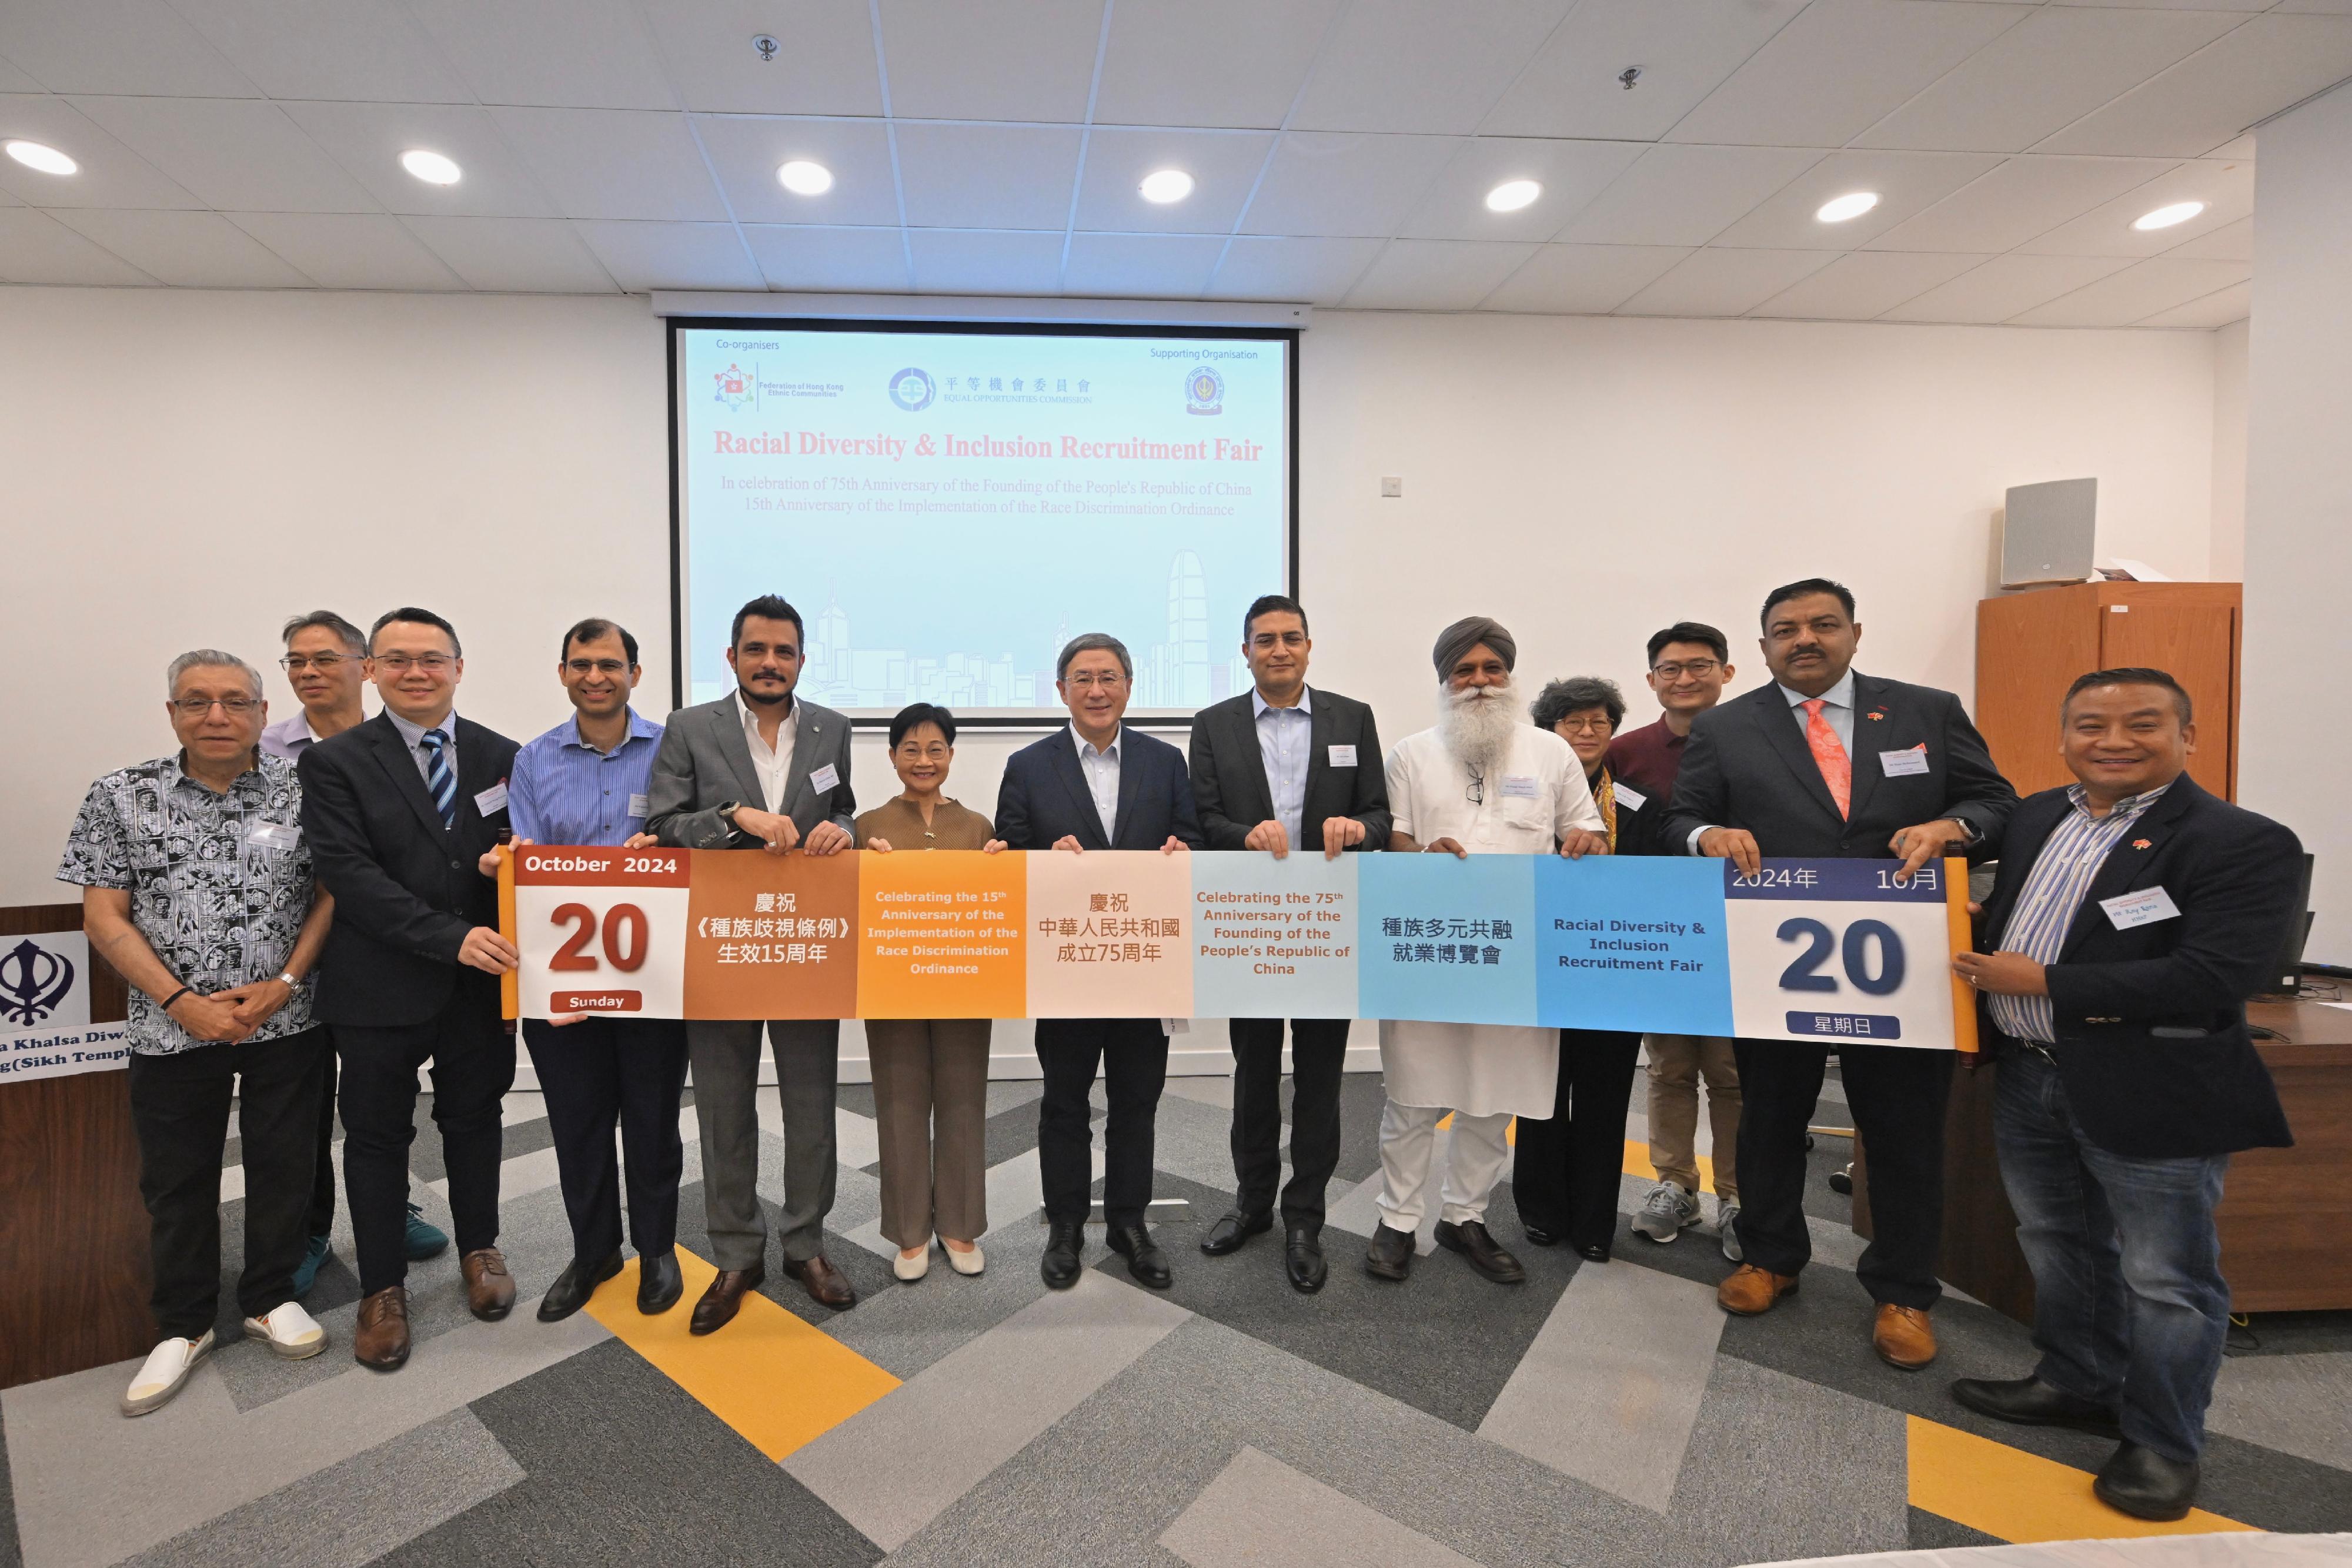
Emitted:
<point x="1097" y="785"/>
<point x="2133" y="916"/>
<point x="399" y="811"/>
<point x="1277" y="768"/>
<point x="1827" y="763"/>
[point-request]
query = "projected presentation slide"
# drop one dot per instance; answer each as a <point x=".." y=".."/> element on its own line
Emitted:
<point x="946" y="510"/>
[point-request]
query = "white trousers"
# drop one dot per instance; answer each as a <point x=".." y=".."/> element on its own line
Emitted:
<point x="1476" y="1152"/>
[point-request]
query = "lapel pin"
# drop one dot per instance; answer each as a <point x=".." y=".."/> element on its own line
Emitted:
<point x="2141" y="843"/>
<point x="1878" y="713"/>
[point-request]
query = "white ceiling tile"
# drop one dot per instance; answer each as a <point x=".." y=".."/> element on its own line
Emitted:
<point x="1866" y="284"/>
<point x="1685" y="195"/>
<point x="1723" y="282"/>
<point x="643" y="256"/>
<point x="852" y="261"/>
<point x="2241" y="146"/>
<point x="1317" y="271"/>
<point x="2219" y="309"/>
<point x="2226" y="189"/>
<point x="1150" y="266"/>
<point x="37" y="248"/>
<point x="514" y="255"/>
<point x="8" y="201"/>
<point x="1570" y="172"/>
<point x="2138" y="291"/>
<point x="2056" y="66"/>
<point x="1906" y="183"/>
<point x="1335" y="182"/>
<point x="825" y="65"/>
<point x="2331" y="7"/>
<point x="1435" y="275"/>
<point x="747" y="152"/>
<point x="2241" y="6"/>
<point x="1208" y="62"/>
<point x="188" y="250"/>
<point x="1685" y="49"/>
<point x="2022" y="198"/>
<point x="342" y="49"/>
<point x="367" y="139"/>
<point x="2231" y="242"/>
<point x="233" y="154"/>
<point x="14" y="80"/>
<point x="1224" y="165"/>
<point x="999" y="176"/>
<point x="2003" y="286"/>
<point x="970" y="261"/>
<point x="1840" y="67"/>
<point x="112" y="174"/>
<point x="1582" y="279"/>
<point x="114" y="45"/>
<point x="2262" y="67"/>
<point x="953" y="60"/>
<point x="578" y="54"/>
<point x="616" y="162"/>
<point x="348" y="250"/>
<point x="1409" y="66"/>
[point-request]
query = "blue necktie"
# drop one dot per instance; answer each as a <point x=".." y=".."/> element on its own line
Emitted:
<point x="439" y="782"/>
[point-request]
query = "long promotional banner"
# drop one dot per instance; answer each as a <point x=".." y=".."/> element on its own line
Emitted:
<point x="1817" y="950"/>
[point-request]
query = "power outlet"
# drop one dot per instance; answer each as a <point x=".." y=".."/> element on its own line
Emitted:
<point x="1391" y="489"/>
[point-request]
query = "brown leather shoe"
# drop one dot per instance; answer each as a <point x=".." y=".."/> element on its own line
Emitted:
<point x="724" y="1299"/>
<point x="382" y="1339"/>
<point x="1750" y="1290"/>
<point x="1903" y="1337"/>
<point x="490" y="1288"/>
<point x="827" y="1286"/>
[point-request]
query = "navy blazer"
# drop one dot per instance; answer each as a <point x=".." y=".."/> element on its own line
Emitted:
<point x="2151" y="1022"/>
<point x="1045" y="797"/>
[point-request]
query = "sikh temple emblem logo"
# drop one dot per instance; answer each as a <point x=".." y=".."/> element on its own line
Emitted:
<point x="737" y="386"/>
<point x="33" y="981"/>
<point x="1204" y="391"/>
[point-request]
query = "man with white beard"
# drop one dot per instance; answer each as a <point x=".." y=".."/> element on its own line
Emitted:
<point x="1480" y="781"/>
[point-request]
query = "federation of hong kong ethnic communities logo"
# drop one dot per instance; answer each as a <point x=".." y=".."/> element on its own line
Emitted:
<point x="911" y="390"/>
<point x="1204" y="391"/>
<point x="737" y="386"/>
<point x="33" y="981"/>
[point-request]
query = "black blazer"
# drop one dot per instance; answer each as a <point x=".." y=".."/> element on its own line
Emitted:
<point x="1229" y="772"/>
<point x="1044" y="797"/>
<point x="1640" y="829"/>
<point x="2151" y="1022"/>
<point x="406" y="889"/>
<point x="1746" y="766"/>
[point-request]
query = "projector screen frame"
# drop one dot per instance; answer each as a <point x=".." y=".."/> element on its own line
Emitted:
<point x="1041" y="718"/>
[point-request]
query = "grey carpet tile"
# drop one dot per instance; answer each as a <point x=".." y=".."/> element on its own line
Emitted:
<point x="2292" y="1334"/>
<point x="354" y="1513"/>
<point x="2270" y="1489"/>
<point x="1010" y="1131"/>
<point x="2298" y="1404"/>
<point x="1217" y="1091"/>
<point x="1195" y="1142"/>
<point x="858" y="1097"/>
<point x="905" y="1328"/>
<point x="621" y="1466"/>
<point x="1933" y="1532"/>
<point x="1006" y="1093"/>
<point x="12" y="1549"/>
<point x="1260" y="1511"/>
<point x="1361" y="1098"/>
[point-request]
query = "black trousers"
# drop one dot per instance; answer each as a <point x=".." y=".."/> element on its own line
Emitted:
<point x="1566" y="1170"/>
<point x="1897" y="1096"/>
<point x="473" y="1061"/>
<point x="179" y="1108"/>
<point x="1132" y="1055"/>
<point x="601" y="1073"/>
<point x="1319" y="1051"/>
<point x="322" y="1183"/>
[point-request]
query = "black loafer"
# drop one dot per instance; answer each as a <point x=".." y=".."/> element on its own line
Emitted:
<point x="1597" y="1252"/>
<point x="2030" y="1402"/>
<point x="1066" y="1240"/>
<point x="1480" y="1250"/>
<point x="1145" y="1261"/>
<point x="1228" y="1234"/>
<point x="659" y="1284"/>
<point x="1390" y="1257"/>
<point x="2144" y="1484"/>
<point x="574" y="1286"/>
<point x="1302" y="1258"/>
<point x="1539" y="1235"/>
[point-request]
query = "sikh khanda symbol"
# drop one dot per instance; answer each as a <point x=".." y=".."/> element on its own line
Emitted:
<point x="33" y="981"/>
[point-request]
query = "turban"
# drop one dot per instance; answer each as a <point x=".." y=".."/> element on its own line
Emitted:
<point x="1467" y="633"/>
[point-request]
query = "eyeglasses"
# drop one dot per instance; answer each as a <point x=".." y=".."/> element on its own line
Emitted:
<point x="325" y="664"/>
<point x="197" y="707"/>
<point x="398" y="663"/>
<point x="1593" y="721"/>
<point x="1086" y="680"/>
<point x="1701" y="668"/>
<point x="597" y="666"/>
<point x="1477" y="794"/>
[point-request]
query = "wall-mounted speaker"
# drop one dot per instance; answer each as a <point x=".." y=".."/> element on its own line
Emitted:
<point x="2046" y="534"/>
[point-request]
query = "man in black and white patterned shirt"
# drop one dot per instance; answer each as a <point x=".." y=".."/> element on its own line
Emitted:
<point x="196" y="886"/>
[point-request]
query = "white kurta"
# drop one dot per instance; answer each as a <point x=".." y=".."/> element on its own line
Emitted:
<point x="1482" y="1069"/>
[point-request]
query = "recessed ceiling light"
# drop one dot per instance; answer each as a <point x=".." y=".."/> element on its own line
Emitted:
<point x="1512" y="194"/>
<point x="430" y="167"/>
<point x="1165" y="186"/>
<point x="803" y="178"/>
<point x="47" y="160"/>
<point x="2162" y="218"/>
<point x="1853" y="204"/>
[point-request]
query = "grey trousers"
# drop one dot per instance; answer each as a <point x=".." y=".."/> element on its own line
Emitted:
<point x="930" y="1096"/>
<point x="725" y="1057"/>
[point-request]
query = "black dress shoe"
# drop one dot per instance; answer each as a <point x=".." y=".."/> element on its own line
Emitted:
<point x="1064" y="1241"/>
<point x="659" y="1284"/>
<point x="1302" y="1258"/>
<point x="1539" y="1235"/>
<point x="574" y="1286"/>
<point x="1597" y="1252"/>
<point x="1145" y="1261"/>
<point x="2030" y="1402"/>
<point x="1228" y="1234"/>
<point x="1481" y="1250"/>
<point x="723" y="1297"/>
<point x="2144" y="1484"/>
<point x="1390" y="1257"/>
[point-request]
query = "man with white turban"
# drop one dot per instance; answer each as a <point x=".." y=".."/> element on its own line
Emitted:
<point x="1481" y="781"/>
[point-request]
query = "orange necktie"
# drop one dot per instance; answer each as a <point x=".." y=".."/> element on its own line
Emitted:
<point x="1837" y="768"/>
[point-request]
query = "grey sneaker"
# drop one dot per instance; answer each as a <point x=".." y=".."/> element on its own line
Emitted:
<point x="1665" y="1211"/>
<point x="1727" y="1225"/>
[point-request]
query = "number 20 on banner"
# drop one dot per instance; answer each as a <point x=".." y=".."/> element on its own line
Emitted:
<point x="1844" y="953"/>
<point x="621" y="914"/>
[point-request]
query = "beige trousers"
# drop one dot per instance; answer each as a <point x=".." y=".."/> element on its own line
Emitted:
<point x="1676" y="1064"/>
<point x="930" y="1100"/>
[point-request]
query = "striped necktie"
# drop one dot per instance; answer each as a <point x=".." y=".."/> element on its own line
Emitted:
<point x="439" y="782"/>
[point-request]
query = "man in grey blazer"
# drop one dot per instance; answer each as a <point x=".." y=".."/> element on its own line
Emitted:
<point x="758" y="767"/>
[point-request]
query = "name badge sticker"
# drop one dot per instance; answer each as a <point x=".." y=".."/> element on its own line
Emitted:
<point x="639" y="805"/>
<point x="1343" y="757"/>
<point x="2145" y="907"/>
<point x="825" y="778"/>
<point x="492" y="800"/>
<point x="274" y="835"/>
<point x="1519" y="787"/>
<point x="1632" y="799"/>
<point x="1903" y="763"/>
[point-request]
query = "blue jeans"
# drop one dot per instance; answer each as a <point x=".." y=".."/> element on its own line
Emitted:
<point x="2130" y="1308"/>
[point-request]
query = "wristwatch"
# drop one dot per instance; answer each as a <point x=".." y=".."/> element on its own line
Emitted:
<point x="289" y="982"/>
<point x="727" y="812"/>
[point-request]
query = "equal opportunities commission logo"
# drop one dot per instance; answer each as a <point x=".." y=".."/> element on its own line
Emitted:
<point x="912" y="389"/>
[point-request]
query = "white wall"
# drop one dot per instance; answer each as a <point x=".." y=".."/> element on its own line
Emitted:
<point x="2230" y="359"/>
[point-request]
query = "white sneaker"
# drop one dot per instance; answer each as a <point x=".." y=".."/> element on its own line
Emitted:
<point x="289" y="1330"/>
<point x="910" y="1269"/>
<point x="161" y="1375"/>
<point x="970" y="1261"/>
